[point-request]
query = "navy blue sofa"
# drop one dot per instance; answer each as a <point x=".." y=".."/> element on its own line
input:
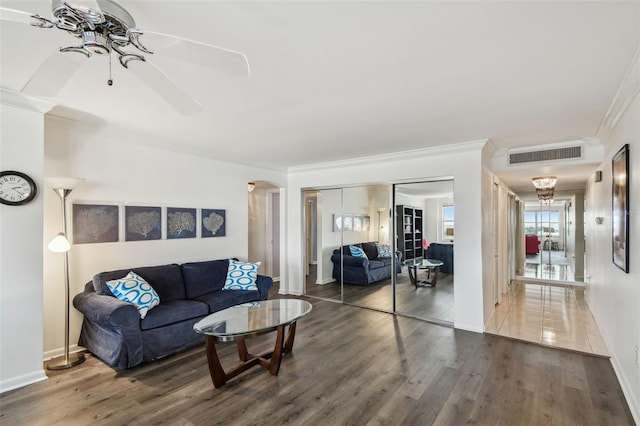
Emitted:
<point x="113" y="331"/>
<point x="443" y="253"/>
<point x="361" y="271"/>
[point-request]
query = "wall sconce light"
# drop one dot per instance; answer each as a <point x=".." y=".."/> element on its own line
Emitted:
<point x="251" y="186"/>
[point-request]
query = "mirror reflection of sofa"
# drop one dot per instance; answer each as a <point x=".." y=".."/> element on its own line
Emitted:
<point x="442" y="252"/>
<point x="361" y="271"/>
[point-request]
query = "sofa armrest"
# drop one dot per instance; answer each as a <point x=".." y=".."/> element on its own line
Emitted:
<point x="264" y="284"/>
<point x="106" y="310"/>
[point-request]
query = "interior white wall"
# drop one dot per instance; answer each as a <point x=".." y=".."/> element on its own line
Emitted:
<point x="459" y="162"/>
<point x="355" y="201"/>
<point x="329" y="203"/>
<point x="379" y="205"/>
<point x="21" y="247"/>
<point x="486" y="246"/>
<point x="121" y="172"/>
<point x="577" y="235"/>
<point x="257" y="230"/>
<point x="613" y="295"/>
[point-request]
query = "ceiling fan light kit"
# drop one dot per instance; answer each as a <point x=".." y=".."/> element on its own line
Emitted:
<point x="104" y="27"/>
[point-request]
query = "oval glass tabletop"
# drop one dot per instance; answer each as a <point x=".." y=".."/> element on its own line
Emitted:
<point x="252" y="318"/>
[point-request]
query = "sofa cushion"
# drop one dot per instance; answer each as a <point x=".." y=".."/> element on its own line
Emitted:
<point x="134" y="289"/>
<point x="384" y="250"/>
<point x="241" y="276"/>
<point x="173" y="312"/>
<point x="219" y="300"/>
<point x="204" y="277"/>
<point x="357" y="252"/>
<point x="375" y="264"/>
<point x="370" y="250"/>
<point x="166" y="280"/>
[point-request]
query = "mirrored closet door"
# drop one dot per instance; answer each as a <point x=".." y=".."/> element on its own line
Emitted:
<point x="425" y="230"/>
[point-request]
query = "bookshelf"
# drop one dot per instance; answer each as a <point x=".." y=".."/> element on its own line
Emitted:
<point x="409" y="231"/>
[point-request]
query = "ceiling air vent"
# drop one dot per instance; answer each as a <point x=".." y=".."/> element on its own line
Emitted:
<point x="546" y="155"/>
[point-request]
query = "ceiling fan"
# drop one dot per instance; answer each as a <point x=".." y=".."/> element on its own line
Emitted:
<point x="106" y="28"/>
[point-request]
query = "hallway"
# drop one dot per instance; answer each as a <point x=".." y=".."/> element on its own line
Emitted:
<point x="555" y="266"/>
<point x="548" y="315"/>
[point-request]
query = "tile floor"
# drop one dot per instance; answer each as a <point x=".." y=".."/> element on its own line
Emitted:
<point x="549" y="315"/>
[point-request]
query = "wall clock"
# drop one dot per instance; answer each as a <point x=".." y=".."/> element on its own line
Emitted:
<point x="16" y="188"/>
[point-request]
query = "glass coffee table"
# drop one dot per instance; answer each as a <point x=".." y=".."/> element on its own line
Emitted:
<point x="247" y="320"/>
<point x="431" y="266"/>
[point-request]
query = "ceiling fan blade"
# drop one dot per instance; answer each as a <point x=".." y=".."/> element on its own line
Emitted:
<point x="219" y="58"/>
<point x="13" y="15"/>
<point x="53" y="74"/>
<point x="165" y="87"/>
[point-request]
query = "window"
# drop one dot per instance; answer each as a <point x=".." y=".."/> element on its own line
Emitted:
<point x="542" y="223"/>
<point x="447" y="222"/>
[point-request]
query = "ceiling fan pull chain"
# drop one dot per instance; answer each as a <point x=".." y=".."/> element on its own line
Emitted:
<point x="110" y="81"/>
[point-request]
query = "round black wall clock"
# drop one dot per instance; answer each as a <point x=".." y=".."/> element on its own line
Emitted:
<point x="16" y="188"/>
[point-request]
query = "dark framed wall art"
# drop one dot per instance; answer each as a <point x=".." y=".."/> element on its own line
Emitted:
<point x="213" y="223"/>
<point x="181" y="223"/>
<point x="142" y="223"/>
<point x="620" y="208"/>
<point x="95" y="223"/>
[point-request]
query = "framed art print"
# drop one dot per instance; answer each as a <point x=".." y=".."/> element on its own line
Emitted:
<point x="95" y="223"/>
<point x="620" y="208"/>
<point x="142" y="223"/>
<point x="213" y="223"/>
<point x="181" y="223"/>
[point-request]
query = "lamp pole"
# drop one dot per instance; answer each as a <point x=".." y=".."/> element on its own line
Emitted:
<point x="68" y="360"/>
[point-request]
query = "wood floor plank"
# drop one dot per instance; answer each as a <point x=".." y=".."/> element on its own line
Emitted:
<point x="349" y="366"/>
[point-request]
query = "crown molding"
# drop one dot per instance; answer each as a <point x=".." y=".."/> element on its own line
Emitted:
<point x="627" y="92"/>
<point x="18" y="100"/>
<point x="394" y="156"/>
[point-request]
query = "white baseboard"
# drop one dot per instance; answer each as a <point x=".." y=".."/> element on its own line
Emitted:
<point x="21" y="381"/>
<point x="468" y="327"/>
<point x="60" y="352"/>
<point x="327" y="281"/>
<point x="293" y="293"/>
<point x="627" y="390"/>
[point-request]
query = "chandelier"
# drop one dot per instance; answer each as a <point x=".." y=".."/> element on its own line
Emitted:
<point x="544" y="187"/>
<point x="544" y="182"/>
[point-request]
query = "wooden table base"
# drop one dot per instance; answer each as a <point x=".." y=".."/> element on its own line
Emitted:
<point x="432" y="275"/>
<point x="269" y="360"/>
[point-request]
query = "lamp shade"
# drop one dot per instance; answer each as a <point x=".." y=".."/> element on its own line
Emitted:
<point x="63" y="182"/>
<point x="59" y="244"/>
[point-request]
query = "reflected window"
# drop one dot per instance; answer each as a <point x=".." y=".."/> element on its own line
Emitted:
<point x="447" y="222"/>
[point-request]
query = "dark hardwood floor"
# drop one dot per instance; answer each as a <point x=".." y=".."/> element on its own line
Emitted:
<point x="349" y="366"/>
<point x="430" y="303"/>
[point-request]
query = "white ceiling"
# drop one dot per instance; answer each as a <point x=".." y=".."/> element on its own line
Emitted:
<point x="335" y="80"/>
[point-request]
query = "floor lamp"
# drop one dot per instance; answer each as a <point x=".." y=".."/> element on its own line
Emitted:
<point x="60" y="244"/>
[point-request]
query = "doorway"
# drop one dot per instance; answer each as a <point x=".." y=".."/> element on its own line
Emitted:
<point x="554" y="240"/>
<point x="264" y="227"/>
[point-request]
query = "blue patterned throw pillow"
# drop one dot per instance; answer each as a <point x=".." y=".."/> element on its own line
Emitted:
<point x="241" y="276"/>
<point x="134" y="289"/>
<point x="357" y="252"/>
<point x="383" y="250"/>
